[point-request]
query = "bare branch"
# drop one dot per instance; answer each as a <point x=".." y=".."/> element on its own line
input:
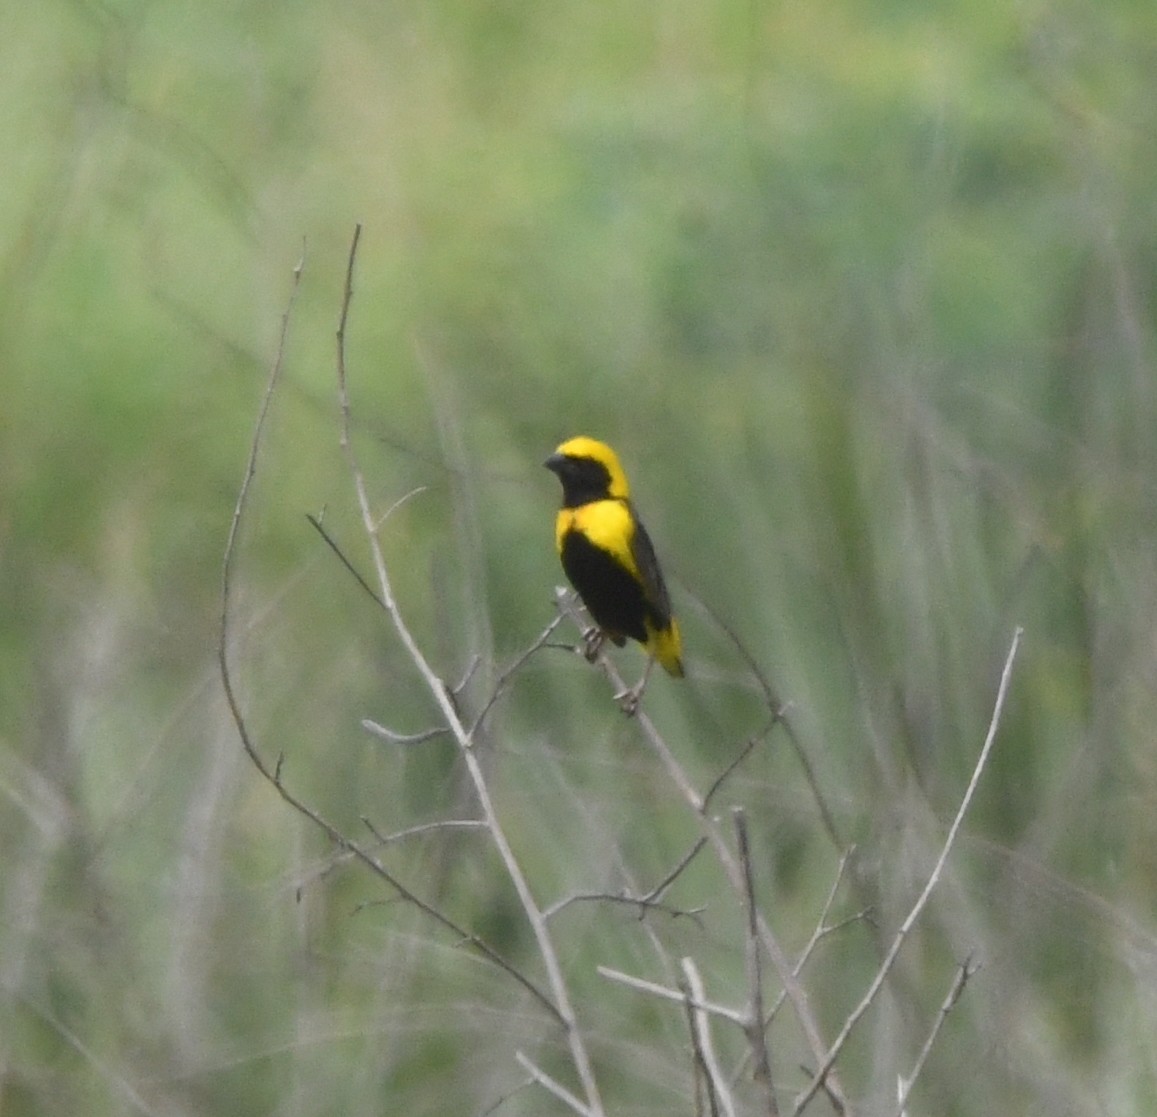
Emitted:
<point x="235" y="524"/>
<point x="274" y="774"/>
<point x="393" y="738"/>
<point x="964" y="972"/>
<point x="743" y="754"/>
<point x="423" y="828"/>
<point x="504" y="679"/>
<point x="495" y="1106"/>
<point x="704" y="1046"/>
<point x="656" y="990"/>
<point x="315" y="522"/>
<point x="332" y="543"/>
<point x="702" y="1083"/>
<point x="649" y="901"/>
<point x="753" y="1025"/>
<point x="822" y="928"/>
<point x="552" y="1085"/>
<point x="779" y="711"/>
<point x="723" y="853"/>
<point x="641" y="902"/>
<point x="675" y="873"/>
<point x="467" y="675"/>
<point x="885" y="967"/>
<point x="447" y="707"/>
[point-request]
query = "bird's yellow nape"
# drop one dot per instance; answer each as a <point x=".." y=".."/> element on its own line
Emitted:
<point x="591" y="449"/>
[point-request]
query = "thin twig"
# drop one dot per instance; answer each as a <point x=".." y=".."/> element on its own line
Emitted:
<point x="625" y="898"/>
<point x="332" y="543"/>
<point x="701" y="1076"/>
<point x="345" y="856"/>
<point x="242" y="500"/>
<point x="964" y="972"/>
<point x="423" y="828"/>
<point x="676" y="872"/>
<point x="779" y="711"/>
<point x="468" y="674"/>
<point x="753" y="1025"/>
<point x="744" y="753"/>
<point x="552" y="1085"/>
<point x="444" y="700"/>
<point x="504" y="679"/>
<point x="496" y="1105"/>
<point x="315" y="522"/>
<point x="648" y="901"/>
<point x="393" y="738"/>
<point x="705" y="1048"/>
<point x="885" y="967"/>
<point x="656" y="990"/>
<point x="822" y="929"/>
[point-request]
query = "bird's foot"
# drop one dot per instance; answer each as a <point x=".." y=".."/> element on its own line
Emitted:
<point x="593" y="639"/>
<point x="628" y="699"/>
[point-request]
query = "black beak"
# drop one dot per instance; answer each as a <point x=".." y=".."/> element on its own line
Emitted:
<point x="555" y="462"/>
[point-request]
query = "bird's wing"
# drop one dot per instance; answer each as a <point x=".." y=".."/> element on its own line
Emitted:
<point x="651" y="577"/>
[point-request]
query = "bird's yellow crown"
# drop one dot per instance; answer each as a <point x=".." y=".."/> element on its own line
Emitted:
<point x="591" y="449"/>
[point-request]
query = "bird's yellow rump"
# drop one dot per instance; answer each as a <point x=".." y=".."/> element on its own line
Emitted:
<point x="607" y="554"/>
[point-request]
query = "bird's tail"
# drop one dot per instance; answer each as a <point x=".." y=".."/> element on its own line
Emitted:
<point x="666" y="646"/>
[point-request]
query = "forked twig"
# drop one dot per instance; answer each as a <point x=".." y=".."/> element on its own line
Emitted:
<point x="701" y="1039"/>
<point x="677" y="871"/>
<point x="822" y="929"/>
<point x="648" y="901"/>
<point x="273" y="774"/>
<point x="964" y="973"/>
<point x="552" y="1085"/>
<point x="779" y="714"/>
<point x="623" y="898"/>
<point x="824" y="1069"/>
<point x="504" y="679"/>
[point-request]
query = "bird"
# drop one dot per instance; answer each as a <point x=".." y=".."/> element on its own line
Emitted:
<point x="608" y="557"/>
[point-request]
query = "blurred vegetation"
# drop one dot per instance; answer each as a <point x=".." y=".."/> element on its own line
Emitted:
<point x="865" y="296"/>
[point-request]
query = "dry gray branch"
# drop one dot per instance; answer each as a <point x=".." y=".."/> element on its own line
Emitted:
<point x="824" y="1070"/>
<point x="642" y="985"/>
<point x="449" y="712"/>
<point x="723" y="853"/>
<point x="273" y="774"/>
<point x="964" y="973"/>
<point x="704" y="1045"/>
<point x="753" y="1025"/>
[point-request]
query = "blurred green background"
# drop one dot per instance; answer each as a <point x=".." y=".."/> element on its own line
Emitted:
<point x="865" y="297"/>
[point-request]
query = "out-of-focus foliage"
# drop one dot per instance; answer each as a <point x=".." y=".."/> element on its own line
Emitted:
<point x="863" y="294"/>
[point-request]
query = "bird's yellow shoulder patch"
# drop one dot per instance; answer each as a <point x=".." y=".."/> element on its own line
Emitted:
<point x="608" y="524"/>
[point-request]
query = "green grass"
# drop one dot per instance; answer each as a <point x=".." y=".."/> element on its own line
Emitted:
<point x="864" y="300"/>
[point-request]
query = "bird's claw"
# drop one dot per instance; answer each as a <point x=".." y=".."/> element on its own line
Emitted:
<point x="628" y="700"/>
<point x="592" y="643"/>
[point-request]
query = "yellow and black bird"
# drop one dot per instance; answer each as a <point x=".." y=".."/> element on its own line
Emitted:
<point x="608" y="557"/>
